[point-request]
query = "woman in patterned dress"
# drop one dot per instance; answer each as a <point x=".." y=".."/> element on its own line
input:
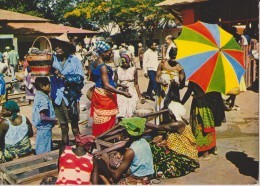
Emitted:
<point x="127" y="75"/>
<point x="15" y="133"/>
<point x="104" y="106"/>
<point x="171" y="77"/>
<point x="177" y="155"/>
<point x="202" y="118"/>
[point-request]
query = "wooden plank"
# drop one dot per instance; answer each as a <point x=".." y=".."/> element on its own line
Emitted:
<point x="37" y="176"/>
<point x="25" y="169"/>
<point x="29" y="159"/>
<point x="104" y="143"/>
<point x="113" y="128"/>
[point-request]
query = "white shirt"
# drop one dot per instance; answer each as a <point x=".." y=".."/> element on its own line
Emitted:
<point x="131" y="48"/>
<point x="168" y="50"/>
<point x="150" y="60"/>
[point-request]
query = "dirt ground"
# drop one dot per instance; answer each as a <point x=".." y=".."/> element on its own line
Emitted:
<point x="237" y="161"/>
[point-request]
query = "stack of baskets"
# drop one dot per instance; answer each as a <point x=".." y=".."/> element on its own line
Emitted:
<point x="40" y="64"/>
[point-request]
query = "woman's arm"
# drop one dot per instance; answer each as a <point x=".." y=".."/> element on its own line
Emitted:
<point x="182" y="78"/>
<point x="187" y="94"/>
<point x="3" y="129"/>
<point x="109" y="87"/>
<point x="44" y="117"/>
<point x="171" y="127"/>
<point x="30" y="129"/>
<point x="136" y="84"/>
<point x="124" y="166"/>
<point x="158" y="75"/>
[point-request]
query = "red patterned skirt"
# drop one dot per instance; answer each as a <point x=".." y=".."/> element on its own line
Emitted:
<point x="103" y="110"/>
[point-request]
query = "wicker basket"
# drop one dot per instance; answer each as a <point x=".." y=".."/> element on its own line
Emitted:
<point x="40" y="64"/>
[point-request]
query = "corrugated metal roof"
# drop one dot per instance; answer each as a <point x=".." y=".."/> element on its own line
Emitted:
<point x="45" y="28"/>
<point x="177" y="2"/>
<point x="16" y="17"/>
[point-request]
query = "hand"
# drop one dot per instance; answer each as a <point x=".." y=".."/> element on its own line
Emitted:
<point x="164" y="84"/>
<point x="127" y="94"/>
<point x="124" y="86"/>
<point x="146" y="75"/>
<point x="55" y="121"/>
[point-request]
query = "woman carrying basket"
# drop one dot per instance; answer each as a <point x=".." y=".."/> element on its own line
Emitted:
<point x="66" y="82"/>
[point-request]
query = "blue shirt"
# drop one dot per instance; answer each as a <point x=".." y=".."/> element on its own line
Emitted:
<point x="142" y="164"/>
<point x="42" y="102"/>
<point x="97" y="75"/>
<point x="1" y="57"/>
<point x="71" y="66"/>
<point x="2" y="85"/>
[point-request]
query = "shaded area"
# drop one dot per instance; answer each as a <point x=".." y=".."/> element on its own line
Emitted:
<point x="246" y="165"/>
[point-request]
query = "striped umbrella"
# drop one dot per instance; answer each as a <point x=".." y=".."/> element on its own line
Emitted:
<point x="210" y="57"/>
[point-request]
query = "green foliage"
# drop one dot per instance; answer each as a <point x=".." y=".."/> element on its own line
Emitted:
<point x="140" y="15"/>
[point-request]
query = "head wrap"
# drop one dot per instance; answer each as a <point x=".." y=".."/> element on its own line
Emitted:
<point x="13" y="107"/>
<point x="177" y="109"/>
<point x="84" y="140"/>
<point x="125" y="58"/>
<point x="102" y="46"/>
<point x="134" y="126"/>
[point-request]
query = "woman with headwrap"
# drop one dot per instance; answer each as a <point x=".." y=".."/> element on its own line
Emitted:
<point x="76" y="165"/>
<point x="104" y="106"/>
<point x="127" y="75"/>
<point x="15" y="131"/>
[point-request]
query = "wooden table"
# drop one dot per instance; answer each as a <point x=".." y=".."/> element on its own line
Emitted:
<point x="29" y="170"/>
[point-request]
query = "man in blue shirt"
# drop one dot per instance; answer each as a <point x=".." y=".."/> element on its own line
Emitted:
<point x="67" y="82"/>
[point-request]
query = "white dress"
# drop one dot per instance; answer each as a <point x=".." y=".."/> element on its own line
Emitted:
<point x="126" y="105"/>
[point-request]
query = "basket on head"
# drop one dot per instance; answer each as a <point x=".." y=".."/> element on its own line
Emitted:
<point x="40" y="62"/>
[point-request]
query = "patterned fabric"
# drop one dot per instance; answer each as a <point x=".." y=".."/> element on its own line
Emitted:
<point x="73" y="169"/>
<point x="203" y="127"/>
<point x="126" y="105"/>
<point x="133" y="180"/>
<point x="103" y="110"/>
<point x="29" y="88"/>
<point x="102" y="46"/>
<point x="184" y="143"/>
<point x="20" y="149"/>
<point x="170" y="164"/>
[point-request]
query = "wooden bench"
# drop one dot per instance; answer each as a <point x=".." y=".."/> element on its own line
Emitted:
<point x="29" y="170"/>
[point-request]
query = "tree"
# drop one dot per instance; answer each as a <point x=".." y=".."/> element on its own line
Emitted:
<point x="139" y="15"/>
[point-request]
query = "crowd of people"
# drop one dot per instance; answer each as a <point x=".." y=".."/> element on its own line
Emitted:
<point x="175" y="144"/>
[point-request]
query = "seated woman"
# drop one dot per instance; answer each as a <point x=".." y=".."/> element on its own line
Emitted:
<point x="179" y="156"/>
<point x="76" y="165"/>
<point x="137" y="164"/>
<point x="15" y="131"/>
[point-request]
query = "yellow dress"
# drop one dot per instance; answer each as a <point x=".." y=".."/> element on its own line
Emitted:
<point x="184" y="143"/>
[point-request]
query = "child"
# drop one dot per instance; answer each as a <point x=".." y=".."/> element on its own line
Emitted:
<point x="43" y="115"/>
<point x="29" y="87"/>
